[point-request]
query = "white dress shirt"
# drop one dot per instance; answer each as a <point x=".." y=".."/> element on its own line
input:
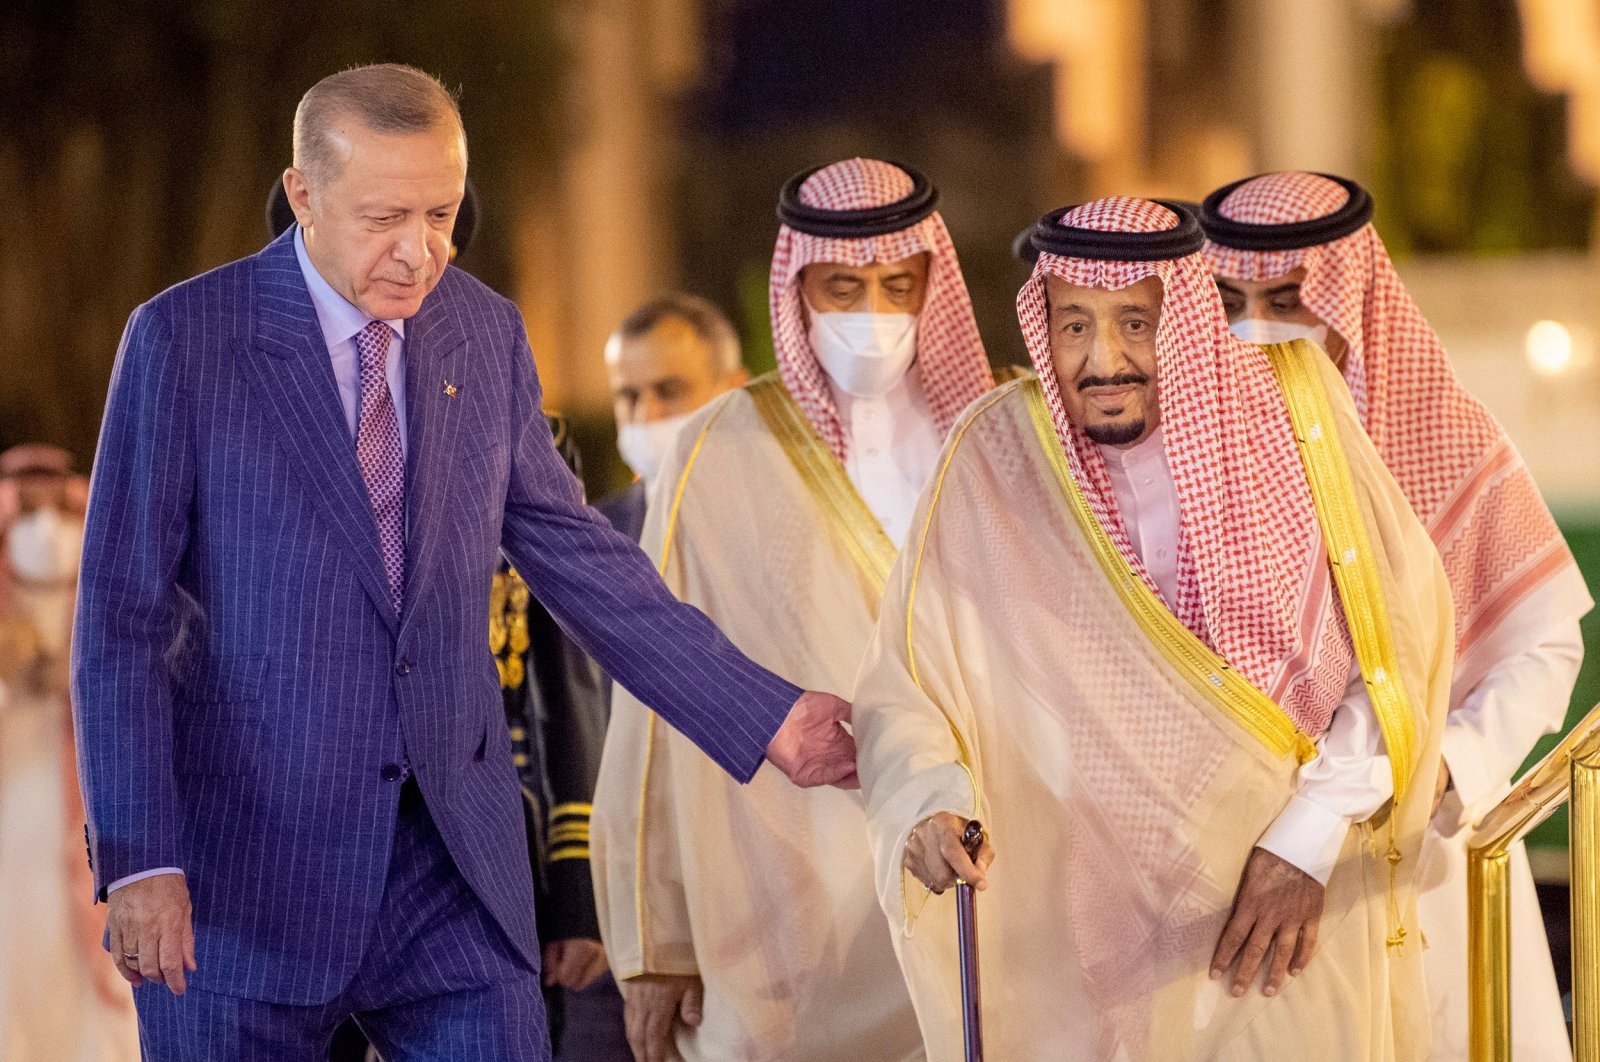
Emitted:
<point x="1349" y="779"/>
<point x="894" y="448"/>
<point x="340" y="321"/>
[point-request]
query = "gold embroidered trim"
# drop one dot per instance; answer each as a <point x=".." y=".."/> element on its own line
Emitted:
<point x="650" y="721"/>
<point x="825" y="479"/>
<point x="1255" y="712"/>
<point x="916" y="577"/>
<point x="1350" y="551"/>
<point x="1002" y="376"/>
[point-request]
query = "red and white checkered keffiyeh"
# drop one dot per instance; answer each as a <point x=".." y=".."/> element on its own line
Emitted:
<point x="1450" y="456"/>
<point x="950" y="358"/>
<point x="1253" y="577"/>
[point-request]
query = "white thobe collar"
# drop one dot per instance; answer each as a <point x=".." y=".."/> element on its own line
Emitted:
<point x="893" y="448"/>
<point x="1141" y="479"/>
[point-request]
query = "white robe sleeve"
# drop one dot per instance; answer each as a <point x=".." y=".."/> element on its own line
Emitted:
<point x="1520" y="699"/>
<point x="1346" y="783"/>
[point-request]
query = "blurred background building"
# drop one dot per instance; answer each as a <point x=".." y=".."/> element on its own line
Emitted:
<point x="623" y="147"/>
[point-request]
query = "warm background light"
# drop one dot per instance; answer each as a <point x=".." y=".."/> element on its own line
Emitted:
<point x="1549" y="348"/>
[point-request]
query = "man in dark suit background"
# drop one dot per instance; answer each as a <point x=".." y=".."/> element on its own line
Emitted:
<point x="309" y="462"/>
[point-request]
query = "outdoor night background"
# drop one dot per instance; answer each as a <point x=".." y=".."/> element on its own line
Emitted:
<point x="625" y="147"/>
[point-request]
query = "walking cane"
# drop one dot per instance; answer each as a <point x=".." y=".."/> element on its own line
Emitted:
<point x="967" y="932"/>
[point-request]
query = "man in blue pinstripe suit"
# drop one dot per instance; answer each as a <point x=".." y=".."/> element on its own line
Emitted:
<point x="310" y="461"/>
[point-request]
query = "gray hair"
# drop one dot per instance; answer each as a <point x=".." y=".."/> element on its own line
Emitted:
<point x="702" y="315"/>
<point x="387" y="97"/>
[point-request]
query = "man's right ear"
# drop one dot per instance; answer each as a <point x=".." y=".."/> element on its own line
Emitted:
<point x="298" y="191"/>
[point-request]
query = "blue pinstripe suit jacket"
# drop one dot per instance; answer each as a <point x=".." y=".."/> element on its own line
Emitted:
<point x="240" y="677"/>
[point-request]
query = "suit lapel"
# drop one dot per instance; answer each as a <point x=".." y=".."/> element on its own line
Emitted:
<point x="288" y="364"/>
<point x="434" y="339"/>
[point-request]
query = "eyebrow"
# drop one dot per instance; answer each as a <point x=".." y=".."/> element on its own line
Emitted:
<point x="381" y="209"/>
<point x="1281" y="289"/>
<point x="839" y="278"/>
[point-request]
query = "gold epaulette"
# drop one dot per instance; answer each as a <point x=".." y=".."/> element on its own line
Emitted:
<point x="508" y="627"/>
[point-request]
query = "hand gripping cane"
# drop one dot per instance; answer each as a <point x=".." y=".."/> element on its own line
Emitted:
<point x="967" y="933"/>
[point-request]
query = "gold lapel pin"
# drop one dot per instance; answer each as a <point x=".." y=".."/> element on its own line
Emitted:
<point x="450" y="389"/>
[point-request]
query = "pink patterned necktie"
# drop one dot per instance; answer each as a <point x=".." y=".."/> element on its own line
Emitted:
<point x="383" y="464"/>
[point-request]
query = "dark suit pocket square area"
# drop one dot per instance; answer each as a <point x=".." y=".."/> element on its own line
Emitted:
<point x="216" y="745"/>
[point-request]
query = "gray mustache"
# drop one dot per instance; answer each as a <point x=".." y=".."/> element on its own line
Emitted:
<point x="1122" y="379"/>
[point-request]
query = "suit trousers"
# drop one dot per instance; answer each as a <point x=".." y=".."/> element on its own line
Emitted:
<point x="438" y="981"/>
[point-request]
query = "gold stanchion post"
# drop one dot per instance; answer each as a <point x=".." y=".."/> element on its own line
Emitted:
<point x="1584" y="853"/>
<point x="1489" y="955"/>
<point x="1572" y="768"/>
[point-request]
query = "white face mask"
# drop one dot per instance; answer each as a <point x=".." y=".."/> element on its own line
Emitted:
<point x="43" y="547"/>
<point x="644" y="446"/>
<point x="865" y="354"/>
<point x="1261" y="330"/>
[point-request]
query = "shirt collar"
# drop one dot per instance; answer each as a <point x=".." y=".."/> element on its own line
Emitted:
<point x="1151" y="451"/>
<point x="902" y="401"/>
<point x="339" y="317"/>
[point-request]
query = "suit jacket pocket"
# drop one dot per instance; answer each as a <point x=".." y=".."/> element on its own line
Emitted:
<point x="484" y="463"/>
<point x="217" y="744"/>
<point x="209" y="680"/>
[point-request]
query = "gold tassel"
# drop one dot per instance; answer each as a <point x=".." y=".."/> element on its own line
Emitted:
<point x="1397" y="929"/>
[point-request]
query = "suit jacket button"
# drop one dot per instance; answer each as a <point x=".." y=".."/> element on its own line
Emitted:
<point x="390" y="772"/>
<point x="403" y="667"/>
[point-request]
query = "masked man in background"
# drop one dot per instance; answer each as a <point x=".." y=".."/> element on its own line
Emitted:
<point x="666" y="360"/>
<point x="58" y="999"/>
<point x="1295" y="255"/>
<point x="749" y="930"/>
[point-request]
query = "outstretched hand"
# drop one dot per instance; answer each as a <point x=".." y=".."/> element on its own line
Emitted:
<point x="813" y="747"/>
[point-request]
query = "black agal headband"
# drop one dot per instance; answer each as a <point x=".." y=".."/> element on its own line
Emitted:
<point x="1290" y="235"/>
<point x="1022" y="248"/>
<point x="860" y="223"/>
<point x="1049" y="236"/>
